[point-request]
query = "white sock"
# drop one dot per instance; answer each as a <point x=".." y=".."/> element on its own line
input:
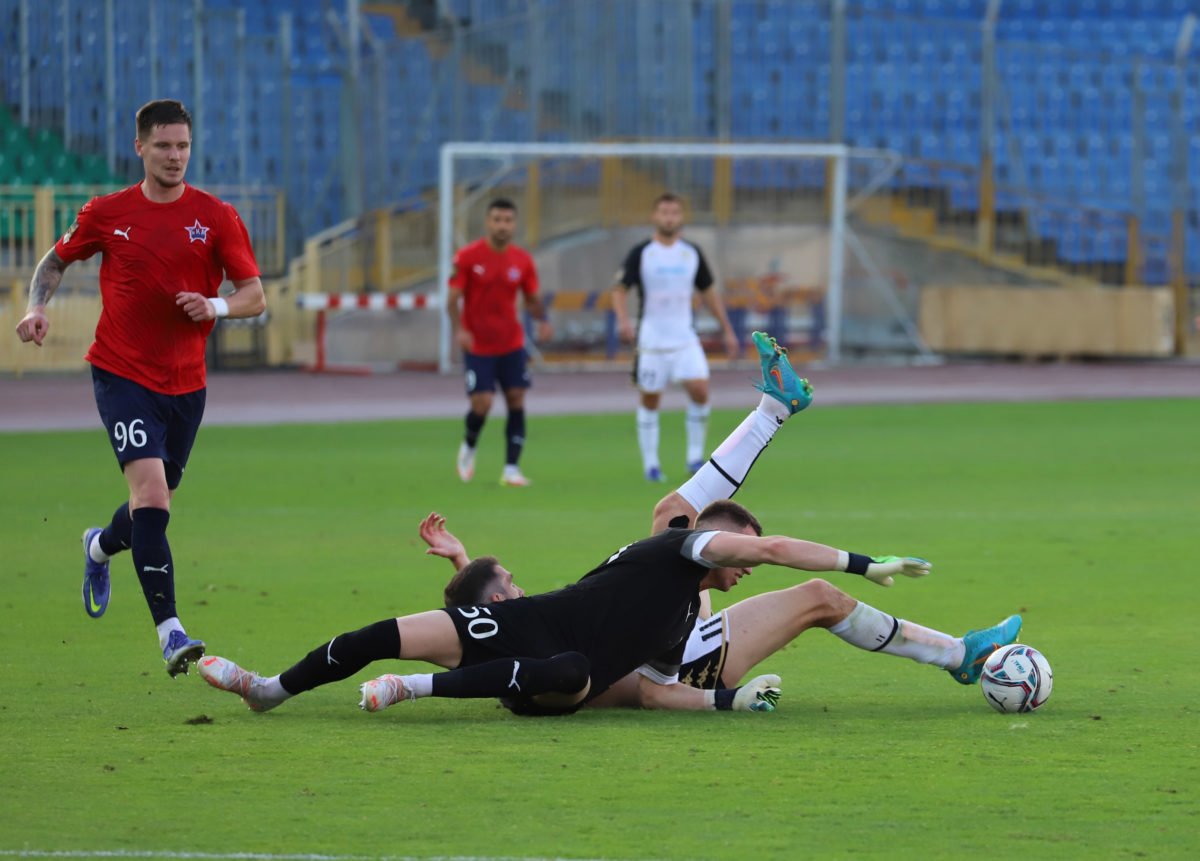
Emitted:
<point x="95" y="552"/>
<point x="697" y="430"/>
<point x="876" y="631"/>
<point x="729" y="465"/>
<point x="272" y="690"/>
<point x="419" y="684"/>
<point x="165" y="629"/>
<point x="647" y="432"/>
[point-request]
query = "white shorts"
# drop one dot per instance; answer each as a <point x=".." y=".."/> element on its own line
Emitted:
<point x="705" y="653"/>
<point x="654" y="370"/>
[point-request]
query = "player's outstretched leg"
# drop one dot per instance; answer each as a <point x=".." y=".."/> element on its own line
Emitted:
<point x="723" y="473"/>
<point x="96" y="585"/>
<point x="255" y="691"/>
<point x="979" y="646"/>
<point x="780" y="381"/>
<point x="567" y="674"/>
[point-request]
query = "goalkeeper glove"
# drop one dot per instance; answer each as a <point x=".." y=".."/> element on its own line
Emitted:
<point x="880" y="569"/>
<point x="760" y="694"/>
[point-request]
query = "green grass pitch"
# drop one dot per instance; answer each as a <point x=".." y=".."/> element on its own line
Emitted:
<point x="1083" y="516"/>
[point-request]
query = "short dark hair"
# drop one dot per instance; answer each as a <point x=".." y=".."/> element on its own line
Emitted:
<point x="667" y="197"/>
<point x="728" y="513"/>
<point x="161" y="112"/>
<point x="502" y="203"/>
<point x="472" y="583"/>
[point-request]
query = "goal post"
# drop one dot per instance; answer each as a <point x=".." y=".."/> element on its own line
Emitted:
<point x="754" y="209"/>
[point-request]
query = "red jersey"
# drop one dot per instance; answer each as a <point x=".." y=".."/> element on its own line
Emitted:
<point x="489" y="281"/>
<point x="152" y="251"/>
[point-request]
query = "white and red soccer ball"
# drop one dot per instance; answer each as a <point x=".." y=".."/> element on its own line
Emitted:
<point x="1016" y="678"/>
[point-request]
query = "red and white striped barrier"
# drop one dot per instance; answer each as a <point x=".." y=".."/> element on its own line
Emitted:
<point x="322" y="302"/>
<point x="367" y="301"/>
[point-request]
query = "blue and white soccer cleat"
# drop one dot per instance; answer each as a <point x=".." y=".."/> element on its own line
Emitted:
<point x="96" y="585"/>
<point x="780" y="381"/>
<point x="694" y="466"/>
<point x="656" y="475"/>
<point x="979" y="647"/>
<point x="180" y="651"/>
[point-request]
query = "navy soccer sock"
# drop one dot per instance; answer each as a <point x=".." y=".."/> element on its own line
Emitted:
<point x="343" y="656"/>
<point x="515" y="677"/>
<point x="514" y="430"/>
<point x="474" y="426"/>
<point x="118" y="535"/>
<point x="152" y="561"/>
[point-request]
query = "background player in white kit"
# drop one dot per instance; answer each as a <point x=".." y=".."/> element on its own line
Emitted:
<point x="667" y="272"/>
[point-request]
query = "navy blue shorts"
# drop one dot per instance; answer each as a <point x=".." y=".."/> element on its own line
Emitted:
<point x="509" y="370"/>
<point x="144" y="424"/>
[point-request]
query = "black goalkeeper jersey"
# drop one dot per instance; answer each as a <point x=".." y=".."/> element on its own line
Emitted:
<point x="636" y="608"/>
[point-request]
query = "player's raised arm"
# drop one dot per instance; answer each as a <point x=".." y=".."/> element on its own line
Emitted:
<point x="729" y="549"/>
<point x="442" y="542"/>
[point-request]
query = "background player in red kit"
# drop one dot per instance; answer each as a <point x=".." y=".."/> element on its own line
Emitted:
<point x="166" y="249"/>
<point x="487" y="275"/>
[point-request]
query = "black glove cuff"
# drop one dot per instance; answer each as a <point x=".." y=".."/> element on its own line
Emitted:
<point x="723" y="698"/>
<point x="857" y="564"/>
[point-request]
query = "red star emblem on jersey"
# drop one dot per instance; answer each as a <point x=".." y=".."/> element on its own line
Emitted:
<point x="197" y="231"/>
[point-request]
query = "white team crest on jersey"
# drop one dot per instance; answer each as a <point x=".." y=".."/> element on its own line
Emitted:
<point x="514" y="274"/>
<point x="197" y="231"/>
<point x="477" y="269"/>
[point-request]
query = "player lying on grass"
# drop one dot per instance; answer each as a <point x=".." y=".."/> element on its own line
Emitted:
<point x="551" y="653"/>
<point x="608" y="626"/>
<point x="722" y="648"/>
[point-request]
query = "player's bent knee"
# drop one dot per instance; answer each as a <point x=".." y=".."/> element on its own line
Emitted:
<point x="571" y="674"/>
<point x="824" y="601"/>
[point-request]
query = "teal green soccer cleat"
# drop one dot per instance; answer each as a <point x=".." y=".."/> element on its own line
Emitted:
<point x="780" y="381"/>
<point x="980" y="645"/>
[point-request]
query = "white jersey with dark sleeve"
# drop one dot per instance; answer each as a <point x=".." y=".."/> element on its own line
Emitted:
<point x="665" y="276"/>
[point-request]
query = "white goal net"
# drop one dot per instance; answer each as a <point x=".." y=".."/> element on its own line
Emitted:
<point x="776" y="223"/>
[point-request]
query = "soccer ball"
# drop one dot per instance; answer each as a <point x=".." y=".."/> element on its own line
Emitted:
<point x="1016" y="678"/>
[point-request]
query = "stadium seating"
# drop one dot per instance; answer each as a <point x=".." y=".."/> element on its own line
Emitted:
<point x="1076" y="77"/>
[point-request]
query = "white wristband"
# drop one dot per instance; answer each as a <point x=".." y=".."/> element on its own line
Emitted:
<point x="220" y="306"/>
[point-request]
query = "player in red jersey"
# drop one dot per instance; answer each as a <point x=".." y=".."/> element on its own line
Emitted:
<point x="166" y="249"/>
<point x="488" y="273"/>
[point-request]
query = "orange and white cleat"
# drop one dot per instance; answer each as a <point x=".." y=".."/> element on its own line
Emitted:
<point x="382" y="692"/>
<point x="228" y="676"/>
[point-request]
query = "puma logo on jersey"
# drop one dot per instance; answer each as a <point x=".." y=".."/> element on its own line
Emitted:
<point x="146" y="569"/>
<point x="124" y="232"/>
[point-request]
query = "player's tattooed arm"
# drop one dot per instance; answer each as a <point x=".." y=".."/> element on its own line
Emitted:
<point x="46" y="278"/>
